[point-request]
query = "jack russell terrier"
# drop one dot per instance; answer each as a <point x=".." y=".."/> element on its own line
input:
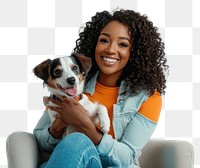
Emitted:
<point x="65" y="76"/>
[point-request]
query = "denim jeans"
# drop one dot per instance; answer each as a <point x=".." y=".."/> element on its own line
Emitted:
<point x="74" y="151"/>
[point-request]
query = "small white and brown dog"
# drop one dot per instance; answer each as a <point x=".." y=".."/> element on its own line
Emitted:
<point x="65" y="76"/>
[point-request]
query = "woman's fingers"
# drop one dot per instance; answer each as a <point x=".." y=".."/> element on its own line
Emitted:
<point x="57" y="102"/>
<point x="57" y="109"/>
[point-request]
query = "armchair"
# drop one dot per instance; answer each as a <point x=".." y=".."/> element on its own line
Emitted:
<point x="23" y="152"/>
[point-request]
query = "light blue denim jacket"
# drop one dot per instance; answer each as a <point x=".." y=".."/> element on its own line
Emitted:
<point x="132" y="130"/>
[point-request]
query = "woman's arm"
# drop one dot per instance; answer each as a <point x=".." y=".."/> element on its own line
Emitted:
<point x="45" y="140"/>
<point x="137" y="133"/>
<point x="126" y="151"/>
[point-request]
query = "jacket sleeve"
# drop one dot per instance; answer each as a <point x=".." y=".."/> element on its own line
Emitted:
<point x="125" y="152"/>
<point x="45" y="140"/>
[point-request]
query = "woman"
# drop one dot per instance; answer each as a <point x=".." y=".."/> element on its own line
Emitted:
<point x="128" y="77"/>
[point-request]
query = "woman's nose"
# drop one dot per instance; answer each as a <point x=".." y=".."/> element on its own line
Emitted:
<point x="112" y="48"/>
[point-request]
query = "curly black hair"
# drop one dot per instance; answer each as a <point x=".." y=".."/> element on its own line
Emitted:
<point x="147" y="64"/>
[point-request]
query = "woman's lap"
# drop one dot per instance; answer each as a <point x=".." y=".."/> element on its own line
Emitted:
<point x="75" y="150"/>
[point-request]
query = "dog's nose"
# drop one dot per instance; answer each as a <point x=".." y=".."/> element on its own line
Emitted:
<point x="71" y="80"/>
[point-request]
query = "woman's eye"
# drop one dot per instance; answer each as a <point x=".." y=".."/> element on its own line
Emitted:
<point x="103" y="40"/>
<point x="123" y="45"/>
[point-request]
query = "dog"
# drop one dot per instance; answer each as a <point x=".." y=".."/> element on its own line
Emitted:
<point x="65" y="76"/>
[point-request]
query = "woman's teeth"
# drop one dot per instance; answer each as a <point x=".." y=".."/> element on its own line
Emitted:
<point x="110" y="60"/>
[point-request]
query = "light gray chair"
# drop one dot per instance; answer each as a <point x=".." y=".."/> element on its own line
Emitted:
<point x="23" y="152"/>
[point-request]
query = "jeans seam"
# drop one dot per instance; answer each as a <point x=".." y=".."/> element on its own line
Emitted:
<point x="82" y="155"/>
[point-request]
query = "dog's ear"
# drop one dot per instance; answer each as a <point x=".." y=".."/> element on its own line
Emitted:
<point x="85" y="62"/>
<point x="42" y="70"/>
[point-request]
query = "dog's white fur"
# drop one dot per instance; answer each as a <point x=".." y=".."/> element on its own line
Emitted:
<point x="97" y="112"/>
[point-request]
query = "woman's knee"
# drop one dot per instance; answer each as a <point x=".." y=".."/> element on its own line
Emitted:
<point x="75" y="141"/>
<point x="75" y="149"/>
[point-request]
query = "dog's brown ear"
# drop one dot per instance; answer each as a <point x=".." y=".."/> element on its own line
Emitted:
<point x="85" y="62"/>
<point x="42" y="70"/>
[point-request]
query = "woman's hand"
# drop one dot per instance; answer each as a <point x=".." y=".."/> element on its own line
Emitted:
<point x="73" y="113"/>
<point x="57" y="128"/>
<point x="69" y="110"/>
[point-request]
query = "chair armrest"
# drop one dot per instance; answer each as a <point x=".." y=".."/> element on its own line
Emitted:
<point x="167" y="154"/>
<point x="22" y="150"/>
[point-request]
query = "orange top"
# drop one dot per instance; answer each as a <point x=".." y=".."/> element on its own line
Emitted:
<point x="151" y="107"/>
<point x="108" y="96"/>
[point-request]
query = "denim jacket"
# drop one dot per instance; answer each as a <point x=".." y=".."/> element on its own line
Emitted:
<point x="132" y="130"/>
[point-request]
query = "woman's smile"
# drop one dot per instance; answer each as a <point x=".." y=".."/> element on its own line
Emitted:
<point x="109" y="60"/>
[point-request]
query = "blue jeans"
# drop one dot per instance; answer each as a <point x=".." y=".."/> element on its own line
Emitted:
<point x="74" y="151"/>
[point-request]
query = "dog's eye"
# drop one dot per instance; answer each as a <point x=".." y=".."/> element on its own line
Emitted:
<point x="57" y="72"/>
<point x="75" y="68"/>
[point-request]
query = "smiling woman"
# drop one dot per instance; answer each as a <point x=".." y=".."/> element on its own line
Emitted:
<point x="128" y="77"/>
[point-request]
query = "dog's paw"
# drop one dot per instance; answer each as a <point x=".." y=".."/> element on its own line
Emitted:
<point x="104" y="119"/>
<point x="105" y="127"/>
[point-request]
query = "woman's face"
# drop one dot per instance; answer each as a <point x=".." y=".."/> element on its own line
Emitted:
<point x="113" y="49"/>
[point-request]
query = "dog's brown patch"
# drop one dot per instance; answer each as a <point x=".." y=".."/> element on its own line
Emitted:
<point x="81" y="77"/>
<point x="51" y="83"/>
<point x="42" y="70"/>
<point x="86" y="62"/>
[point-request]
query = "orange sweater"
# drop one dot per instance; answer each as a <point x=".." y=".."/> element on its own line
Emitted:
<point x="108" y="96"/>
